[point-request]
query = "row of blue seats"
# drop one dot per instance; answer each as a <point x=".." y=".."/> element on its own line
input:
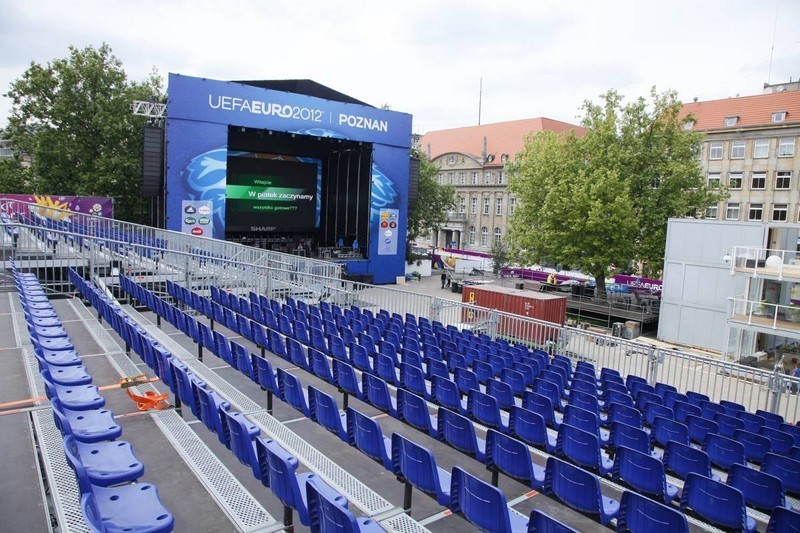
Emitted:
<point x="107" y="470"/>
<point x="315" y="502"/>
<point x="109" y="235"/>
<point x="307" y="402"/>
<point x="482" y="407"/>
<point x="480" y="502"/>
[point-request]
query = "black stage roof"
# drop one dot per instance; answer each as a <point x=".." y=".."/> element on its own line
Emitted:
<point x="306" y="87"/>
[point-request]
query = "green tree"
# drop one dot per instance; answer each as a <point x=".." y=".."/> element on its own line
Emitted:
<point x="604" y="198"/>
<point x="500" y="257"/>
<point x="72" y="117"/>
<point x="433" y="201"/>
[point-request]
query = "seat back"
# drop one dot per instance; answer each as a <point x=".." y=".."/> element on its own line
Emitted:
<point x="572" y="485"/>
<point x="582" y="419"/>
<point x="781" y="442"/>
<point x="639" y="470"/>
<point x="502" y="392"/>
<point x="413" y="409"/>
<point x="328" y="515"/>
<point x="483" y="408"/>
<point x="346" y="378"/>
<point x="784" y="468"/>
<point x="728" y="424"/>
<point x="325" y="411"/>
<point x="638" y="513"/>
<point x="783" y="520"/>
<point x="699" y="427"/>
<point x="682" y="460"/>
<point x="320" y="366"/>
<point x="479" y="502"/>
<point x="414" y="463"/>
<point x="457" y="431"/>
<point x="654" y="410"/>
<point x="242" y="431"/>
<point x="722" y="451"/>
<point x="666" y="429"/>
<point x="622" y="434"/>
<point x="716" y="502"/>
<point x="508" y="455"/>
<point x="365" y="434"/>
<point x="684" y="409"/>
<point x="760" y="489"/>
<point x="578" y="445"/>
<point x="210" y="405"/>
<point x="377" y="392"/>
<point x="528" y="426"/>
<point x="541" y="404"/>
<point x="540" y="522"/>
<point x="279" y="468"/>
<point x="618" y="412"/>
<point x="446" y="392"/>
<point x="756" y="446"/>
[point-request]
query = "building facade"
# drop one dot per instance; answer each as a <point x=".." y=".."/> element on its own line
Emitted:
<point x="473" y="159"/>
<point x="750" y="149"/>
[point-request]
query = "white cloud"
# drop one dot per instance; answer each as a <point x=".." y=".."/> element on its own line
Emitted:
<point x="426" y="58"/>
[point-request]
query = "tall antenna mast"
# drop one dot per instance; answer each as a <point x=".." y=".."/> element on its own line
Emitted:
<point x="772" y="50"/>
<point x="480" y="99"/>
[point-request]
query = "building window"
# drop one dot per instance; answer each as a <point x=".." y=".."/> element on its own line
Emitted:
<point x="485" y="206"/>
<point x="474" y="178"/>
<point x="779" y="116"/>
<point x="732" y="211"/>
<point x="501" y="177"/>
<point x="489" y="177"/>
<point x="735" y="180"/>
<point x="462" y="205"/>
<point x="780" y="212"/>
<point x="463" y="178"/>
<point x="761" y="149"/>
<point x="783" y="180"/>
<point x="450" y="178"/>
<point x="484" y="236"/>
<point x="473" y="206"/>
<point x="512" y="205"/>
<point x="499" y="207"/>
<point x="498" y="235"/>
<point x="689" y="124"/>
<point x="737" y="149"/>
<point x="759" y="180"/>
<point x="471" y="234"/>
<point x="715" y="150"/>
<point x="731" y="121"/>
<point x="713" y="180"/>
<point x="786" y="147"/>
<point x="711" y="212"/>
<point x="441" y="179"/>
<point x="756" y="212"/>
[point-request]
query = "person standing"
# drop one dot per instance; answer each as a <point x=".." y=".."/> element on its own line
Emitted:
<point x="444" y="277"/>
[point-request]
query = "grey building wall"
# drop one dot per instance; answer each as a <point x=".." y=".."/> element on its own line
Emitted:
<point x="697" y="281"/>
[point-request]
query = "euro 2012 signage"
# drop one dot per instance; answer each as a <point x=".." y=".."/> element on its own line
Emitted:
<point x="197" y="218"/>
<point x="295" y="112"/>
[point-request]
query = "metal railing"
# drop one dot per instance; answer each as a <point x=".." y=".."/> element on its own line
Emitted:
<point x="775" y="316"/>
<point x="102" y="257"/>
<point x="765" y="261"/>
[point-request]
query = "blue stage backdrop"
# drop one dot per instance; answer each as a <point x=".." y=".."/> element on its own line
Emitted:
<point x="201" y="112"/>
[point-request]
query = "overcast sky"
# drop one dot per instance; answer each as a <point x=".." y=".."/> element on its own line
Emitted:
<point x="536" y="58"/>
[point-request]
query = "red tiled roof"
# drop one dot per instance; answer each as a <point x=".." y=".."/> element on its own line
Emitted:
<point x="752" y="111"/>
<point x="501" y="137"/>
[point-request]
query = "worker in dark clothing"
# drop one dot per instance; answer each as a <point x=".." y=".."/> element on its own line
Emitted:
<point x="444" y="278"/>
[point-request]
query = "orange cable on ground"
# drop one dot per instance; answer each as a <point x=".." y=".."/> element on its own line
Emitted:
<point x="104" y="387"/>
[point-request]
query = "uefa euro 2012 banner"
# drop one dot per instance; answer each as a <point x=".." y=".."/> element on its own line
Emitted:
<point x="56" y="207"/>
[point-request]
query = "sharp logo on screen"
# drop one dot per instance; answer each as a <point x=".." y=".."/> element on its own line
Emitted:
<point x="262" y="228"/>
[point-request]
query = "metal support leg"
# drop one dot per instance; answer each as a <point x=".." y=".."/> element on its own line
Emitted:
<point x="344" y="400"/>
<point x="269" y="401"/>
<point x="495" y="477"/>
<point x="200" y="351"/>
<point x="287" y="518"/>
<point x="407" y="493"/>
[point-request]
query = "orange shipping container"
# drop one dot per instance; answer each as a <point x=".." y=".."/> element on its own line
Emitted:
<point x="547" y="306"/>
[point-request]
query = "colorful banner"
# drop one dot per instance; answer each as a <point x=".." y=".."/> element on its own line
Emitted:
<point x="197" y="219"/>
<point x="651" y="286"/>
<point x="63" y="206"/>
<point x="388" y="232"/>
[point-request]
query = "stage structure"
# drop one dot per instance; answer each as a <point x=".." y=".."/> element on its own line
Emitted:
<point x="318" y="176"/>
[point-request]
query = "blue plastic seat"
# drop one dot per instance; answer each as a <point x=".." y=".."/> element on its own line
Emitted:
<point x="292" y="391"/>
<point x="550" y="390"/>
<point x="716" y="503"/>
<point x="695" y="398"/>
<point x="415" y="465"/>
<point x="515" y="380"/>
<point x="502" y="392"/>
<point x="365" y="434"/>
<point x="639" y="514"/>
<point x="412" y="378"/>
<point x="185" y="383"/>
<point x="585" y="420"/>
<point x="482" y="504"/>
<point x="385" y="369"/>
<point x="582" y="448"/>
<point x="57" y="357"/>
<point x="328" y="512"/>
<point x="539" y="522"/>
<point x="793" y="430"/>
<point x="446" y="394"/>
<point x="265" y="375"/>
<point x="134" y="507"/>
<point x="530" y="427"/>
<point x="681" y="460"/>
<point x="699" y="427"/>
<point x="783" y="520"/>
<point x="325" y="411"/>
<point x="666" y="429"/>
<point x="240" y="432"/>
<point x="296" y="353"/>
<point x="512" y="457"/>
<point x="653" y="411"/>
<point x="211" y="405"/>
<point x="781" y="442"/>
<point x="784" y="468"/>
<point x="486" y="410"/>
<point x="723" y="452"/>
<point x="377" y="393"/>
<point x="756" y="446"/>
<point x="617" y="396"/>
<point x="458" y="432"/>
<point x="588" y="402"/>
<point x="466" y="380"/>
<point x="106" y="462"/>
<point x="75" y="397"/>
<point x="622" y="434"/>
<point x="728" y="424"/>
<point x="683" y="410"/>
<point x="752" y="423"/>
<point x="66" y="376"/>
<point x="578" y="489"/>
<point x="623" y="413"/>
<point x="414" y="410"/>
<point x="644" y="473"/>
<point x="346" y="380"/>
<point x="542" y="405"/>
<point x="761" y="490"/>
<point x="279" y="467"/>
